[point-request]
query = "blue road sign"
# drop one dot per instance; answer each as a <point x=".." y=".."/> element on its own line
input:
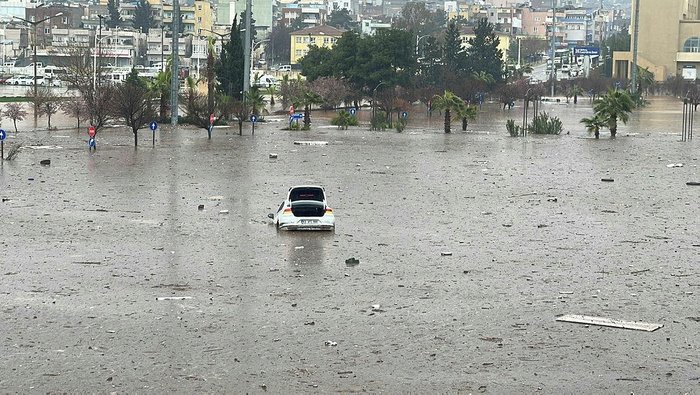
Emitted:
<point x="586" y="51"/>
<point x="154" y="126"/>
<point x="296" y="116"/>
<point x="352" y="111"/>
<point x="3" y="135"/>
<point x="404" y="114"/>
<point x="253" y="118"/>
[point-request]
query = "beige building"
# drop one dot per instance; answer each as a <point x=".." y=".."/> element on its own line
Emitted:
<point x="320" y="36"/>
<point x="669" y="40"/>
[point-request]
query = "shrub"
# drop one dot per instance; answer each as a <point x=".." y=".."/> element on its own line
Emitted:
<point x="544" y="124"/>
<point x="513" y="129"/>
<point x="344" y="119"/>
<point x="379" y="121"/>
<point x="401" y="124"/>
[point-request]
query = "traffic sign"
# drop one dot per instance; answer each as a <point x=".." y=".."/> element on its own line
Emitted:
<point x="253" y="118"/>
<point x="154" y="126"/>
<point x="586" y="51"/>
<point x="404" y="114"/>
<point x="3" y="135"/>
<point x="296" y="116"/>
<point x="352" y="111"/>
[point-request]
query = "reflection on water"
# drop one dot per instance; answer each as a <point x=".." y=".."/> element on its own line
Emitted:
<point x="305" y="247"/>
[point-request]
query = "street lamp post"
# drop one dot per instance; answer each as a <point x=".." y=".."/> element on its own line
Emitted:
<point x="34" y="24"/>
<point x="418" y="40"/>
<point x="98" y="48"/>
<point x="635" y="46"/>
<point x="162" y="49"/>
<point x="374" y="102"/>
<point x="553" y="73"/>
<point x="247" y="45"/>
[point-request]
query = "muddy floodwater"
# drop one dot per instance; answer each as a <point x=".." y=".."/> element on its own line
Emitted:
<point x="470" y="245"/>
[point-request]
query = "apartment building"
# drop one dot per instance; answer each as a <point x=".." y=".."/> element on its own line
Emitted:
<point x="669" y="41"/>
<point x="320" y="36"/>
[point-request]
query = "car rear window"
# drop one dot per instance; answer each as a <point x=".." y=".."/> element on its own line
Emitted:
<point x="306" y="194"/>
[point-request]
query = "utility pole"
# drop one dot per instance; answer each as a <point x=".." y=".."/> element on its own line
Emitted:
<point x="246" y="47"/>
<point x="553" y="73"/>
<point x="34" y="25"/>
<point x="635" y="43"/>
<point x="175" y="77"/>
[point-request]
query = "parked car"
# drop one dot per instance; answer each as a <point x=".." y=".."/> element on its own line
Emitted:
<point x="48" y="81"/>
<point x="285" y="67"/>
<point x="17" y="79"/>
<point x="305" y="208"/>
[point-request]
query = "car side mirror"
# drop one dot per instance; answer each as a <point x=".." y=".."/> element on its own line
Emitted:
<point x="271" y="216"/>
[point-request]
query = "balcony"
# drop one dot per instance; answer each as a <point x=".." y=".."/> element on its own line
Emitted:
<point x="688" y="57"/>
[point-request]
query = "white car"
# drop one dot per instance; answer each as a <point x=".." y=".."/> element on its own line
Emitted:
<point x="305" y="208"/>
<point x="19" y="80"/>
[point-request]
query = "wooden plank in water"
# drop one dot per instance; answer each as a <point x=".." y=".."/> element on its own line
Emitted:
<point x="588" y="320"/>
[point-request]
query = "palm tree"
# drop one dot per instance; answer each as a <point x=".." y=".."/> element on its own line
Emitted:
<point x="307" y="99"/>
<point x="161" y="86"/>
<point x="467" y="113"/>
<point x="593" y="124"/>
<point x="272" y="91"/>
<point x="255" y="100"/>
<point x="449" y="102"/>
<point x="614" y="106"/>
<point x="576" y="91"/>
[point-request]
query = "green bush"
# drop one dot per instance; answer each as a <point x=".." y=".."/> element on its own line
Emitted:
<point x="513" y="129"/>
<point x="401" y="124"/>
<point x="344" y="119"/>
<point x="379" y="121"/>
<point x="544" y="124"/>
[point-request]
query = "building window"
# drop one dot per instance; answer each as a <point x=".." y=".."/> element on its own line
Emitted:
<point x="298" y="40"/>
<point x="692" y="45"/>
<point x="298" y="53"/>
<point x="65" y="20"/>
<point x="47" y="30"/>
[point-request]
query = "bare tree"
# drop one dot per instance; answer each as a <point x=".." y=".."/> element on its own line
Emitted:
<point x="333" y="91"/>
<point x="88" y="81"/>
<point x="133" y="103"/>
<point x="15" y="112"/>
<point x="196" y="106"/>
<point x="47" y="103"/>
<point x="75" y="107"/>
<point x="241" y="110"/>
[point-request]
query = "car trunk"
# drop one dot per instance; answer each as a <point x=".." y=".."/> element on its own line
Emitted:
<point x="308" y="208"/>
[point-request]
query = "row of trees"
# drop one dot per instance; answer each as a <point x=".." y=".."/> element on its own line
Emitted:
<point x="389" y="57"/>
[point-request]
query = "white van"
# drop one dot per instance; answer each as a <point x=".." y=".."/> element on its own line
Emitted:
<point x="285" y="67"/>
<point x="266" y="81"/>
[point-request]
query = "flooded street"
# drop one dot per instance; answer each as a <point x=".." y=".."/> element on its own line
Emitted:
<point x="470" y="245"/>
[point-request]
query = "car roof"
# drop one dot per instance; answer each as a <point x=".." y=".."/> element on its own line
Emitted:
<point x="306" y="186"/>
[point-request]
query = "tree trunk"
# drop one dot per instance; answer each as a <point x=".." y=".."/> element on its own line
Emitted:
<point x="465" y="123"/>
<point x="240" y="127"/>
<point x="49" y="121"/>
<point x="15" y="122"/>
<point x="136" y="138"/>
<point x="613" y="128"/>
<point x="162" y="106"/>
<point x="272" y="100"/>
<point x="447" y="121"/>
<point x="307" y="117"/>
<point x="575" y="99"/>
<point x="597" y="133"/>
